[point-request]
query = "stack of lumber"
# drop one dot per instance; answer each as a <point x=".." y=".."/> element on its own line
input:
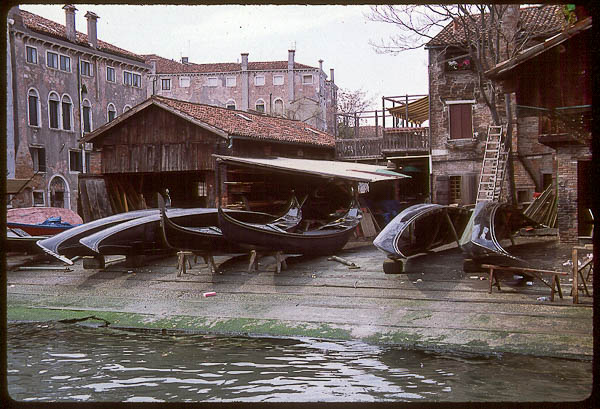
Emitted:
<point x="124" y="197"/>
<point x="543" y="209"/>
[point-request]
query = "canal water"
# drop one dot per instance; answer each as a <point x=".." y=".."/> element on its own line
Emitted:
<point x="65" y="362"/>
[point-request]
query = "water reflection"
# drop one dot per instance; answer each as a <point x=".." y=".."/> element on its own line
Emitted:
<point x="60" y="362"/>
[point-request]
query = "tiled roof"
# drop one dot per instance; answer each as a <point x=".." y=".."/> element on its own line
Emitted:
<point x="263" y="127"/>
<point x="166" y="66"/>
<point x="48" y="27"/>
<point x="541" y="20"/>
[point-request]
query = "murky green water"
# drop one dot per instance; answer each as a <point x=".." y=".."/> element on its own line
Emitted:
<point x="61" y="362"/>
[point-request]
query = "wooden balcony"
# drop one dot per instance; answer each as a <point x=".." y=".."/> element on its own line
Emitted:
<point x="394" y="141"/>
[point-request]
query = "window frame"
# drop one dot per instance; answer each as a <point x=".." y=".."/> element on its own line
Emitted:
<point x="228" y="84"/>
<point x="114" y="74"/>
<point x="164" y="81"/>
<point x="38" y="108"/>
<point x="209" y="81"/>
<point x="256" y="77"/>
<point x="108" y="111"/>
<point x="452" y="106"/>
<point x="62" y="113"/>
<point x="86" y="63"/>
<point x="48" y="52"/>
<point x="33" y="203"/>
<point x="128" y="74"/>
<point x="57" y="112"/>
<point x="258" y="102"/>
<point x="60" y="61"/>
<point x="30" y="47"/>
<point x="83" y="116"/>
<point x="275" y="106"/>
<point x="78" y="165"/>
<point x="304" y="76"/>
<point x="36" y="166"/>
<point x="279" y="76"/>
<point x="229" y="103"/>
<point x="126" y="108"/>
<point x="455" y="188"/>
<point x="134" y="76"/>
<point x="185" y="78"/>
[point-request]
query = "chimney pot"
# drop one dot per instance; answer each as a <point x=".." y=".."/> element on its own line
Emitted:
<point x="92" y="28"/>
<point x="244" y="61"/>
<point x="70" y="21"/>
<point x="291" y="54"/>
<point x="331" y="75"/>
<point x="184" y="60"/>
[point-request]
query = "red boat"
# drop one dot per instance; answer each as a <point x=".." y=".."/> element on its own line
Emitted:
<point x="42" y="221"/>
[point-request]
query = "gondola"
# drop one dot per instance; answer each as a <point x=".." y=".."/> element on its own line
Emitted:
<point x="324" y="240"/>
<point x="66" y="245"/>
<point x="491" y="223"/>
<point x="206" y="237"/>
<point x="421" y="228"/>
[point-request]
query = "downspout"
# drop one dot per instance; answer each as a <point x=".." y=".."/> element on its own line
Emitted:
<point x="15" y="101"/>
<point x="429" y="136"/>
<point x="80" y="112"/>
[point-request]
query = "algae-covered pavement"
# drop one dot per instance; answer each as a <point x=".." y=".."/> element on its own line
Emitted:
<point x="434" y="304"/>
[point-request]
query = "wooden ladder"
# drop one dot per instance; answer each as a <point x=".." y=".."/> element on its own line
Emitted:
<point x="493" y="168"/>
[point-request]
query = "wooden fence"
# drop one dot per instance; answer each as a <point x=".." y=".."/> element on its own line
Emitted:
<point x="394" y="140"/>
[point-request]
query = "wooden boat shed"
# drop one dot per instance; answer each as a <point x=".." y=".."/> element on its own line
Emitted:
<point x="165" y="143"/>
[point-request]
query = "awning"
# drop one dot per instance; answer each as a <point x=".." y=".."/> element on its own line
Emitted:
<point x="14" y="186"/>
<point x="359" y="172"/>
<point x="418" y="111"/>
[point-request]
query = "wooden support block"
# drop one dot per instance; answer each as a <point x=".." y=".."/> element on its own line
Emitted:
<point x="253" y="265"/>
<point x="93" y="262"/>
<point x="183" y="261"/>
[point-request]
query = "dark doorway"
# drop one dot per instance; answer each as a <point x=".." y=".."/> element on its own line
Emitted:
<point x="585" y="218"/>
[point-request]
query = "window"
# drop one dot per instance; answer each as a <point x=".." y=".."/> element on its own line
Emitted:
<point x="461" y="123"/>
<point x="53" y="110"/>
<point x="127" y="78"/>
<point x="230" y="104"/>
<point x="86" y="68"/>
<point x="137" y="80"/>
<point x="277" y="79"/>
<point x="31" y="54"/>
<point x="259" y="80"/>
<point x="230" y="82"/>
<point x="260" y="105"/>
<point x="202" y="191"/>
<point x="33" y="108"/>
<point x="184" y="82"/>
<point x="65" y="63"/>
<point x="111" y="112"/>
<point x="87" y="116"/>
<point x="110" y="74"/>
<point x="51" y="59"/>
<point x="457" y="60"/>
<point x="75" y="161"/>
<point x="38" y="198"/>
<point x="67" y="112"/>
<point x="278" y="107"/>
<point x="126" y="108"/>
<point x="88" y="157"/>
<point x="307" y="79"/>
<point x="212" y="82"/>
<point x="455" y="191"/>
<point x="165" y="84"/>
<point x="38" y="156"/>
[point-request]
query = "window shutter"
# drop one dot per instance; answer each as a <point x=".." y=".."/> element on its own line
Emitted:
<point x="442" y="187"/>
<point x="468" y="188"/>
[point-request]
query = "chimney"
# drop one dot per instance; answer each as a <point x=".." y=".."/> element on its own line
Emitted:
<point x="291" y="59"/>
<point x="331" y="75"/>
<point x="153" y="65"/>
<point x="509" y="27"/>
<point x="321" y="65"/>
<point x="70" y="21"/>
<point x="92" y="31"/>
<point x="244" y="61"/>
<point x="184" y="60"/>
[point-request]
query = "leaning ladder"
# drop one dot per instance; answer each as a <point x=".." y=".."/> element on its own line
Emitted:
<point x="493" y="167"/>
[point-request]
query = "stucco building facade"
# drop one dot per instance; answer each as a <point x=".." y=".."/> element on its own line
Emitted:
<point x="63" y="84"/>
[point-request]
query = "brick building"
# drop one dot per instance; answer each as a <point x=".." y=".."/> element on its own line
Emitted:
<point x="63" y="84"/>
<point x="553" y="81"/>
<point x="281" y="88"/>
<point x="459" y="117"/>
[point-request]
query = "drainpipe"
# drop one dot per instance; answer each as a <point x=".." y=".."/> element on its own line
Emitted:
<point x="429" y="136"/>
<point x="291" y="54"/>
<point x="79" y="92"/>
<point x="12" y="77"/>
<point x="245" y="96"/>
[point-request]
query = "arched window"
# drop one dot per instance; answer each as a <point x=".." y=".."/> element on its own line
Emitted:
<point x="67" y="113"/>
<point x="278" y="106"/>
<point x="58" y="192"/>
<point x="230" y="104"/>
<point x="87" y="116"/>
<point x="54" y="110"/>
<point x="126" y="108"/>
<point x="260" y="105"/>
<point x="111" y="112"/>
<point x="33" y="107"/>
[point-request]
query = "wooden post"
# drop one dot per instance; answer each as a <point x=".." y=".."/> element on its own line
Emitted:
<point x="453" y="229"/>
<point x="575" y="289"/>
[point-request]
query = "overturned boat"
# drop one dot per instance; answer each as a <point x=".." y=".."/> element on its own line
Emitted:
<point x="491" y="223"/>
<point x="421" y="228"/>
<point x="66" y="245"/>
<point x="140" y="236"/>
<point x="325" y="240"/>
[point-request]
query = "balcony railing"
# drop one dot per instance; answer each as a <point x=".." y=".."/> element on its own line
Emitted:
<point x="394" y="140"/>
